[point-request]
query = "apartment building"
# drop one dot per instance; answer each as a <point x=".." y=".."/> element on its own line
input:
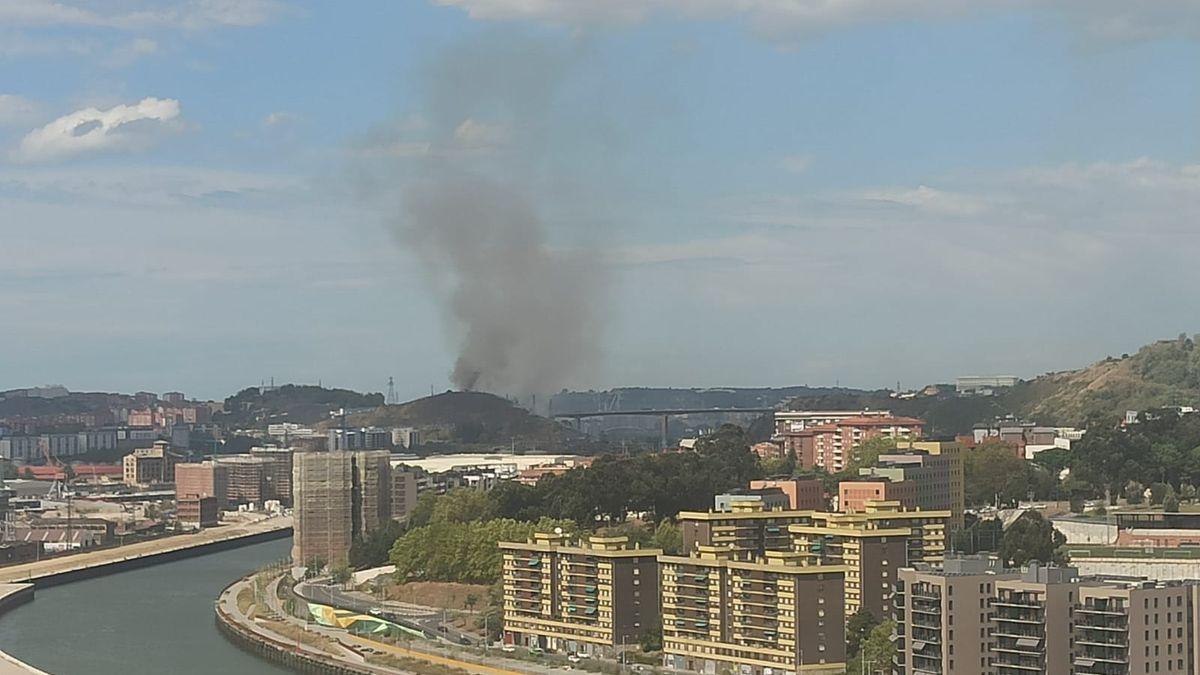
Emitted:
<point x="247" y="483"/>
<point x="589" y="598"/>
<point x="803" y="493"/>
<point x="748" y="528"/>
<point x="338" y="497"/>
<point x="873" y="545"/>
<point x="853" y="495"/>
<point x="798" y="420"/>
<point x="1136" y="626"/>
<point x="835" y="445"/>
<point x="972" y="616"/>
<point x="936" y="470"/>
<point x="404" y="492"/>
<point x="927" y="639"/>
<point x="776" y="614"/>
<point x="1031" y="621"/>
<point x="149" y="466"/>
<point x="277" y="472"/>
<point x="203" y="479"/>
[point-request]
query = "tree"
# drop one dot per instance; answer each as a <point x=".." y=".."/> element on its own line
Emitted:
<point x="1135" y="493"/>
<point x="313" y="566"/>
<point x="340" y="574"/>
<point x="462" y="552"/>
<point x="651" y="638"/>
<point x="1031" y="537"/>
<point x="1187" y="492"/>
<point x="373" y="550"/>
<point x="859" y="626"/>
<point x="868" y="453"/>
<point x="463" y="505"/>
<point x="422" y="511"/>
<point x="669" y="537"/>
<point x="993" y="472"/>
<point x="1158" y="493"/>
<point x="1171" y="504"/>
<point x="984" y="534"/>
<point x="878" y="651"/>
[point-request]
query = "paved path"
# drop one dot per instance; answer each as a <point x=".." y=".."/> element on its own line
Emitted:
<point x="430" y="652"/>
<point x="144" y="549"/>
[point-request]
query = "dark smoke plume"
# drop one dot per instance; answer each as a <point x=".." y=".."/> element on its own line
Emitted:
<point x="523" y="295"/>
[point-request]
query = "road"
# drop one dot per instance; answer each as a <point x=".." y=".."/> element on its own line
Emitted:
<point x="33" y="571"/>
<point x="425" y="619"/>
<point x="429" y="652"/>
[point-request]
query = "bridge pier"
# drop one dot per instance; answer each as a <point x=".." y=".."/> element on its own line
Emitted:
<point x="665" y="421"/>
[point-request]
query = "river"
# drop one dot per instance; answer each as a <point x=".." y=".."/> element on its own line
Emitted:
<point x="156" y="619"/>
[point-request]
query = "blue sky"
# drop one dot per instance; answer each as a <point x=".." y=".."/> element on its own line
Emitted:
<point x="201" y="194"/>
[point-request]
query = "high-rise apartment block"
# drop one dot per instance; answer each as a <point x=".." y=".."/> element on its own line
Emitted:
<point x="339" y="497"/>
<point x="585" y="598"/>
<point x="775" y="614"/>
<point x="873" y="545"/>
<point x="404" y="492"/>
<point x="972" y="616"/>
<point x="747" y="528"/>
<point x="203" y="479"/>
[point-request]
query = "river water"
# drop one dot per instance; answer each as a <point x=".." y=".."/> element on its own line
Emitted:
<point x="156" y="619"/>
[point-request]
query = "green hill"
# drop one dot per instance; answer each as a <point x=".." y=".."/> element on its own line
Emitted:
<point x="1164" y="373"/>
<point x="471" y="419"/>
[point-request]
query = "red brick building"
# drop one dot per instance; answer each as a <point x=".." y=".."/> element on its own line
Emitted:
<point x="803" y="495"/>
<point x="853" y="495"/>
<point x="834" y="445"/>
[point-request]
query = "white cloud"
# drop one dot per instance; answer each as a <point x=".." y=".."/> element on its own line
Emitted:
<point x="787" y="20"/>
<point x="91" y="130"/>
<point x="138" y="15"/>
<point x="925" y="198"/>
<point x="16" y="110"/>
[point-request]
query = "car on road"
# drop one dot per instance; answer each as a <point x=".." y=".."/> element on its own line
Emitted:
<point x="375" y="611"/>
<point x="508" y="649"/>
<point x="574" y="658"/>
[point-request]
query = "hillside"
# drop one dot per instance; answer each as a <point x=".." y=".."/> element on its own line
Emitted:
<point x="302" y="404"/>
<point x="1160" y="374"/>
<point x="470" y="418"/>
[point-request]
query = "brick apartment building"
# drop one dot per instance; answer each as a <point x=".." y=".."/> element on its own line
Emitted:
<point x="776" y="614"/>
<point x="802" y="494"/>
<point x="583" y="598"/>
<point x="203" y="479"/>
<point x="874" y="545"/>
<point x="972" y="616"/>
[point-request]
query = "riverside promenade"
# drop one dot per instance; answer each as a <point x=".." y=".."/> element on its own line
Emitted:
<point x="104" y="561"/>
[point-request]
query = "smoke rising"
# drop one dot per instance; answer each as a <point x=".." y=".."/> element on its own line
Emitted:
<point x="483" y="211"/>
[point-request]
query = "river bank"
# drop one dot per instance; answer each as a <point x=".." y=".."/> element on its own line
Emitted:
<point x="158" y="619"/>
<point x="106" y="561"/>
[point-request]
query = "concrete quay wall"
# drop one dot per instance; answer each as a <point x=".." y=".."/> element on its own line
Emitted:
<point x="65" y="569"/>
